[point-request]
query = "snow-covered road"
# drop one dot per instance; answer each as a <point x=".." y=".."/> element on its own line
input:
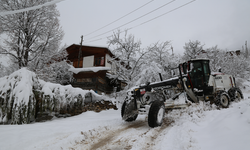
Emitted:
<point x="89" y="130"/>
<point x="198" y="127"/>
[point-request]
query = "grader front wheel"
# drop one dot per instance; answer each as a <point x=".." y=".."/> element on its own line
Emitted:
<point x="156" y="114"/>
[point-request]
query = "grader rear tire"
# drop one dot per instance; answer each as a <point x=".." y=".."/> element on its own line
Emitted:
<point x="235" y="94"/>
<point x="156" y="114"/>
<point x="222" y="99"/>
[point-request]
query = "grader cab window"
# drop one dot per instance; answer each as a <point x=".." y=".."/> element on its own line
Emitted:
<point x="199" y="73"/>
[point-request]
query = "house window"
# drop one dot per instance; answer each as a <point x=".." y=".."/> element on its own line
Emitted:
<point x="99" y="61"/>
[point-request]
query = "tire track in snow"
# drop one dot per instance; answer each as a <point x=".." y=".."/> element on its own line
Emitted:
<point x="155" y="136"/>
<point x="113" y="135"/>
<point x="132" y="135"/>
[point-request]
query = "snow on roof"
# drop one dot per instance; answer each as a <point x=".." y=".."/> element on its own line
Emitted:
<point x="88" y="69"/>
<point x="196" y="59"/>
<point x="94" y="46"/>
<point x="99" y="46"/>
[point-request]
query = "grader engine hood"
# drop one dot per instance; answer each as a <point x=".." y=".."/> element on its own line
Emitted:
<point x="222" y="81"/>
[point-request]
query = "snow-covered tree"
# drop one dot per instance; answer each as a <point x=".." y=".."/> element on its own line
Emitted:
<point x="236" y="65"/>
<point x="216" y="57"/>
<point x="5" y="70"/>
<point x="138" y="66"/>
<point x="128" y="54"/>
<point x="192" y="49"/>
<point x="157" y="60"/>
<point x="52" y="67"/>
<point x="31" y="34"/>
<point x="227" y="62"/>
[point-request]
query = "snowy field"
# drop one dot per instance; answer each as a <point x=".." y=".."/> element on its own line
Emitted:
<point x="198" y="127"/>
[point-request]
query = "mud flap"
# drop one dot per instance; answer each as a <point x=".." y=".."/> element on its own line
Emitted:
<point x="130" y="109"/>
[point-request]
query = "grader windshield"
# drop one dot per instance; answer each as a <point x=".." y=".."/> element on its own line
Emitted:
<point x="199" y="73"/>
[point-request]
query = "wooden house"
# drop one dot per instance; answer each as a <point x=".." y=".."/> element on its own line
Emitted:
<point x="237" y="53"/>
<point x="93" y="68"/>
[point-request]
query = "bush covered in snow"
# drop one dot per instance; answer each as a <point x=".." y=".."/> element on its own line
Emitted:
<point x="23" y="97"/>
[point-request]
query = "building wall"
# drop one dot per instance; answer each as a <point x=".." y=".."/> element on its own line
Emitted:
<point x="92" y="57"/>
<point x="88" y="61"/>
<point x="108" y="63"/>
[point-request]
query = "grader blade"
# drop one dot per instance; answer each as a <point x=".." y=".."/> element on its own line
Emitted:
<point x="130" y="110"/>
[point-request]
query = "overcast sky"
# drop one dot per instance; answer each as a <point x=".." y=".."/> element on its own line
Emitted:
<point x="225" y="23"/>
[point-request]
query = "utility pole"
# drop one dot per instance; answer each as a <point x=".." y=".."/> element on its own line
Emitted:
<point x="172" y="49"/>
<point x="246" y="49"/>
<point x="80" y="52"/>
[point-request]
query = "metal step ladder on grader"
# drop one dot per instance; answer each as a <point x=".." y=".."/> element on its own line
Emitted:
<point x="194" y="80"/>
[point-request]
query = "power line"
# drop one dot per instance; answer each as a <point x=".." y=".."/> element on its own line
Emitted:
<point x="150" y="19"/>
<point x="134" y="19"/>
<point x="120" y="18"/>
<point x="165" y="13"/>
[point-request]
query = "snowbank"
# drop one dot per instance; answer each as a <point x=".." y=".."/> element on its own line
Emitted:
<point x="19" y="85"/>
<point x="201" y="126"/>
<point x="23" y="97"/>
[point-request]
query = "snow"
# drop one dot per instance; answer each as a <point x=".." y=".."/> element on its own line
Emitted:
<point x="52" y="90"/>
<point x="53" y="134"/>
<point x="217" y="73"/>
<point x="225" y="129"/>
<point x="21" y="88"/>
<point x="198" y="127"/>
<point x="17" y="81"/>
<point x="93" y="69"/>
<point x="232" y="134"/>
<point x="23" y="82"/>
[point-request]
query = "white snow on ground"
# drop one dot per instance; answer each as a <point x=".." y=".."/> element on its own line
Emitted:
<point x="199" y="127"/>
<point x="212" y="129"/>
